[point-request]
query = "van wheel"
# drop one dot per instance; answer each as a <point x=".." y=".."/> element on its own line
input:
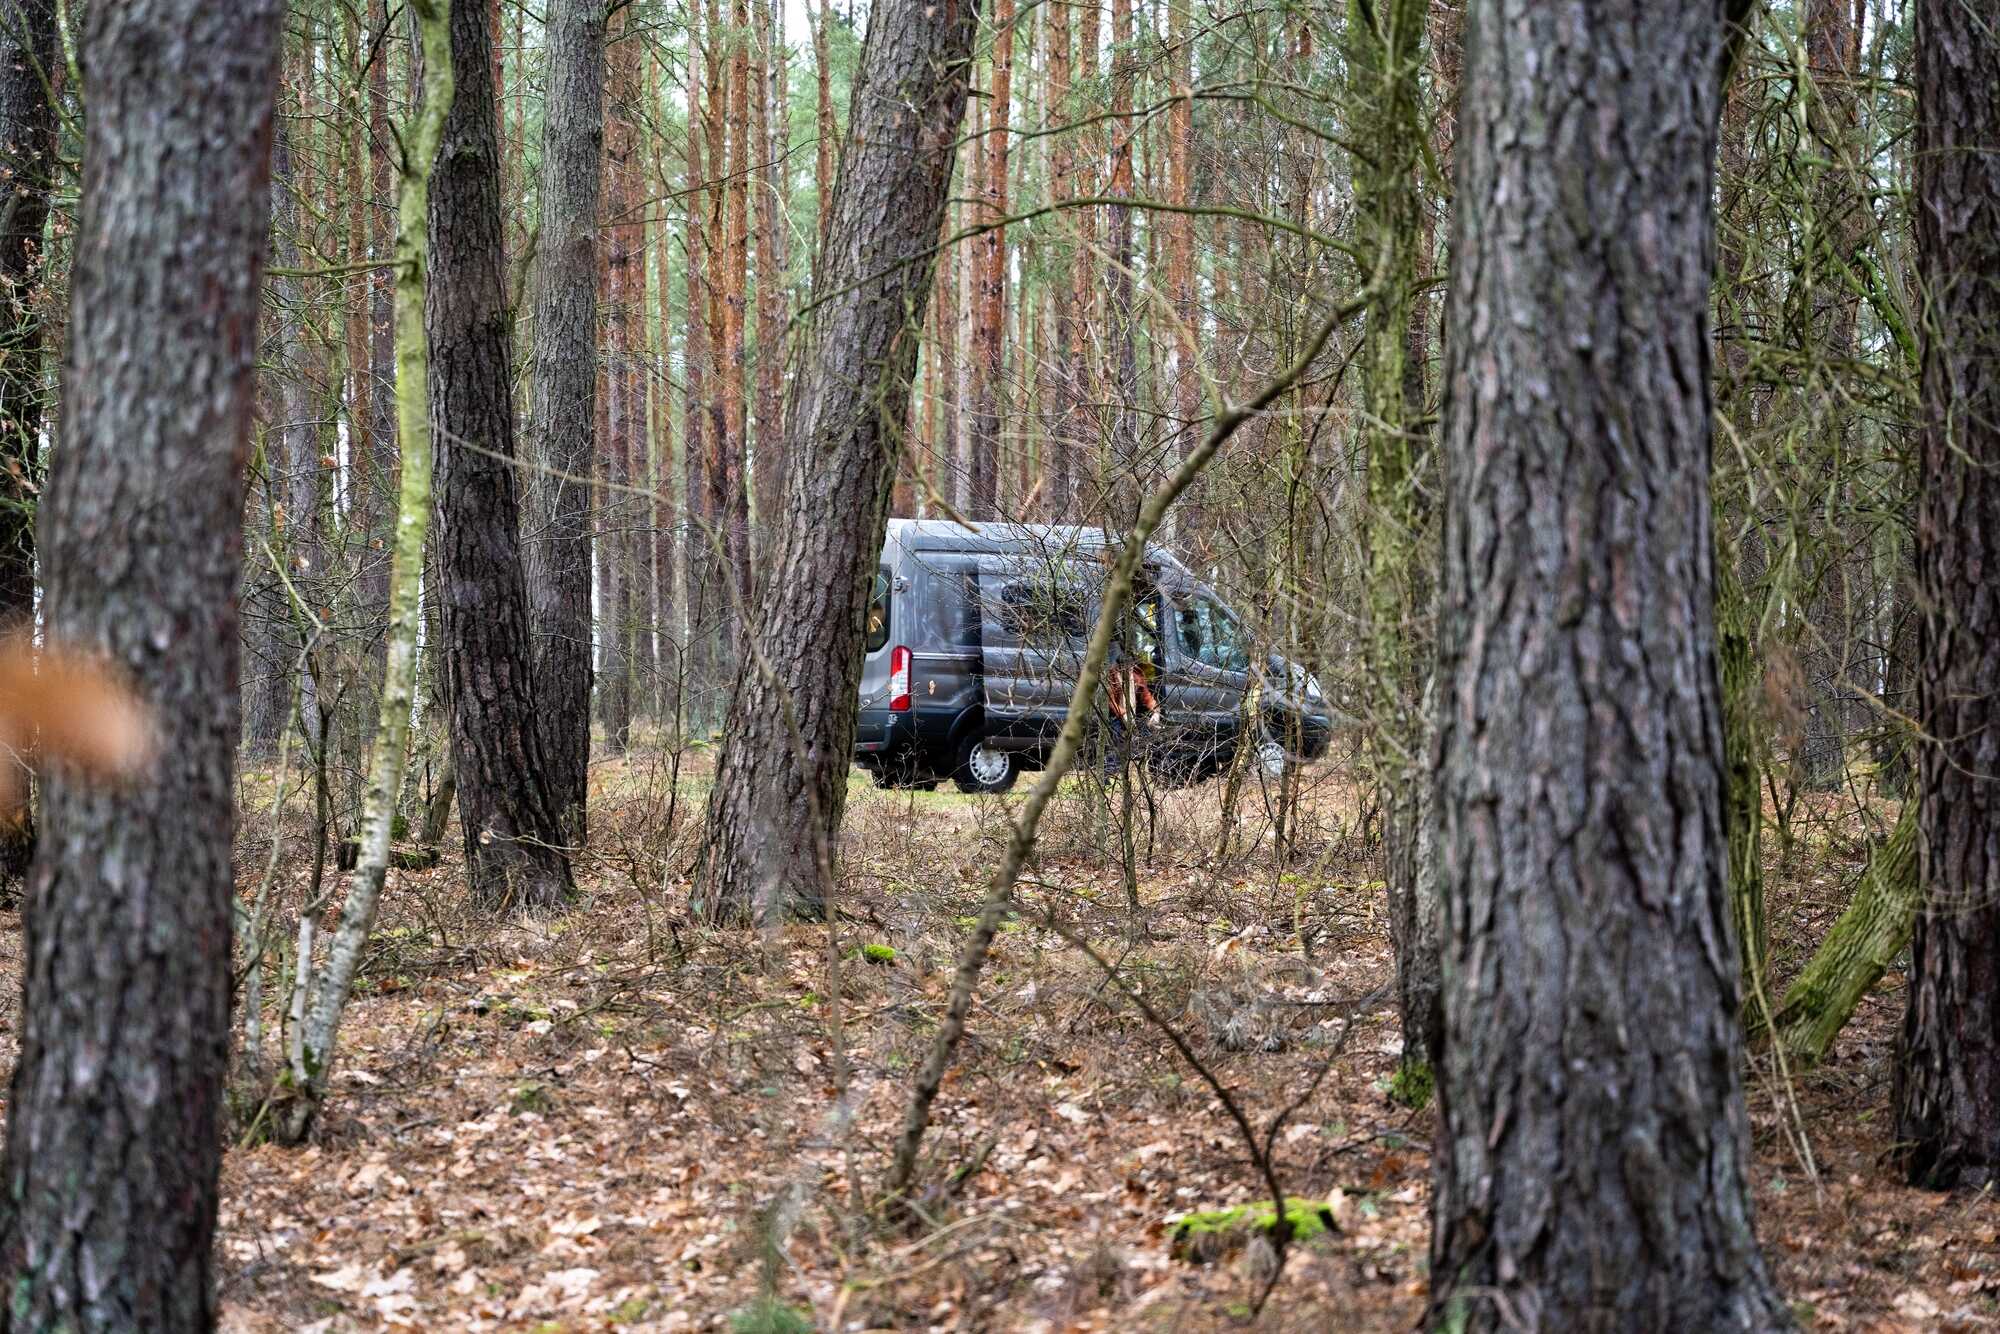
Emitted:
<point x="982" y="768"/>
<point x="1270" y="757"/>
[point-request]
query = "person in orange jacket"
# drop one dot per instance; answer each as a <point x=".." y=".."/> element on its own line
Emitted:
<point x="1128" y="690"/>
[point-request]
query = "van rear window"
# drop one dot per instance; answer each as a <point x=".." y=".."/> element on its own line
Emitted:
<point x="877" y="622"/>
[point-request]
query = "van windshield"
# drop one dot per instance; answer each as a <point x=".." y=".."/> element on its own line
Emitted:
<point x="878" y="611"/>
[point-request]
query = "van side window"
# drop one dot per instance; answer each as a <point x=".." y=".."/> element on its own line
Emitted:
<point x="878" y="611"/>
<point x="1211" y="635"/>
<point x="1040" y="610"/>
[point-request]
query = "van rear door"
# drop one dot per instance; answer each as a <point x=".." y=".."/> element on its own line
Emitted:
<point x="872" y="724"/>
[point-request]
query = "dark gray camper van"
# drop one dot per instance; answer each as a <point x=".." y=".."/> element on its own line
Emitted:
<point x="975" y="634"/>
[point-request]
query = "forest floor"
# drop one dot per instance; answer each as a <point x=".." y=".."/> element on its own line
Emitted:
<point x="619" y="1119"/>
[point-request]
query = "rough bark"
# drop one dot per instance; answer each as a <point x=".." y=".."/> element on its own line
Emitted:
<point x="1591" y="1166"/>
<point x="29" y="61"/>
<point x="776" y="803"/>
<point x="563" y="398"/>
<point x="514" y="840"/>
<point x="115" y="1120"/>
<point x="1947" y="1092"/>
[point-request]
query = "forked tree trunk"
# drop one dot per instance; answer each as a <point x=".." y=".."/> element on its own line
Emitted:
<point x="1947" y="1091"/>
<point x="514" y="842"/>
<point x="1591" y="1167"/>
<point x="114" y="1127"/>
<point x="563" y="398"/>
<point x="321" y="987"/>
<point x="775" y="807"/>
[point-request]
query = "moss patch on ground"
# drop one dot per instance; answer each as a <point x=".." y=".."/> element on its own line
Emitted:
<point x="1203" y="1238"/>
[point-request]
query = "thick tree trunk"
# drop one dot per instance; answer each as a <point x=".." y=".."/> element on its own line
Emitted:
<point x="563" y="398"/>
<point x="781" y="780"/>
<point x="1591" y="1169"/>
<point x="29" y="63"/>
<point x="1948" y="1073"/>
<point x="514" y="840"/>
<point x="115" y="1122"/>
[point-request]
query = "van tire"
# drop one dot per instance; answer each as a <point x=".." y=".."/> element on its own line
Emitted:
<point x="984" y="770"/>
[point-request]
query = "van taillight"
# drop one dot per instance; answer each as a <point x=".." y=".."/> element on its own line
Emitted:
<point x="899" y="679"/>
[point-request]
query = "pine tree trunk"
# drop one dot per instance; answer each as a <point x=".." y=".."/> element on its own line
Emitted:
<point x="1947" y="1093"/>
<point x="990" y="266"/>
<point x="563" y="398"/>
<point x="1129" y="488"/>
<point x="1059" y="462"/>
<point x="616" y="518"/>
<point x="1592" y="1158"/>
<point x="733" y="361"/>
<point x="1085" y="433"/>
<point x="774" y="148"/>
<point x="115" y="1122"/>
<point x="514" y="840"/>
<point x="776" y="806"/>
<point x="697" y="522"/>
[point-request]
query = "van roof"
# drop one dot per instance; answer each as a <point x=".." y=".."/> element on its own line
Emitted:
<point x="917" y="535"/>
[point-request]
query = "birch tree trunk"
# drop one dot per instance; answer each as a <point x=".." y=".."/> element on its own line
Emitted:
<point x="322" y="987"/>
